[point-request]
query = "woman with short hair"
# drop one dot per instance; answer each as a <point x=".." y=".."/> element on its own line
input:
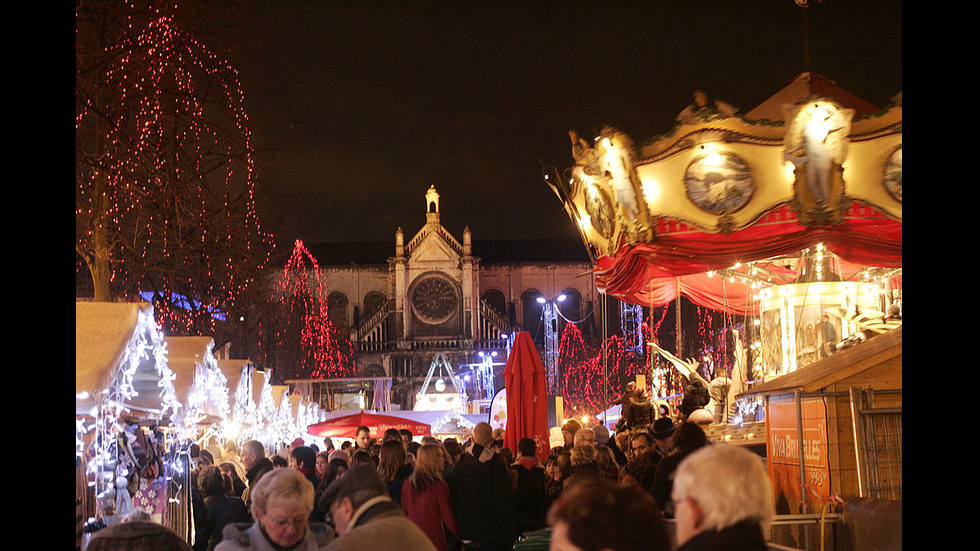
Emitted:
<point x="281" y="506"/>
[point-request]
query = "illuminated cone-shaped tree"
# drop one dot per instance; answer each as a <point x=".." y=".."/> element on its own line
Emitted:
<point x="306" y="344"/>
<point x="165" y="185"/>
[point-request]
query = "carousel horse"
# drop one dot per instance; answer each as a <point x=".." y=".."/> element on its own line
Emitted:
<point x="718" y="395"/>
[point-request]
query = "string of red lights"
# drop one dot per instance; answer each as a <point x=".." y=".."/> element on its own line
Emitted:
<point x="323" y="351"/>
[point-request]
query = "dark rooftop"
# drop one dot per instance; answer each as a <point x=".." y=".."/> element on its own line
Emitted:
<point x="489" y="251"/>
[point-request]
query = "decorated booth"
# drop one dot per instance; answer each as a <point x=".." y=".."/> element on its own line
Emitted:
<point x="125" y="402"/>
<point x="200" y="385"/>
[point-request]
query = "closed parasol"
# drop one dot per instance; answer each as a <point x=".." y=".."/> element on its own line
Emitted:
<point x="527" y="396"/>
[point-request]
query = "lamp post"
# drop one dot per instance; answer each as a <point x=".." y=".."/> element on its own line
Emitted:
<point x="550" y="314"/>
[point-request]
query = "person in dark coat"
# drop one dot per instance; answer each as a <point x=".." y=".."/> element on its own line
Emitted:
<point x="394" y="466"/>
<point x="303" y="459"/>
<point x="723" y="500"/>
<point x="256" y="465"/>
<point x="583" y="465"/>
<point x="238" y="485"/>
<point x="688" y="438"/>
<point x="483" y="496"/>
<point x="220" y="508"/>
<point x="531" y="497"/>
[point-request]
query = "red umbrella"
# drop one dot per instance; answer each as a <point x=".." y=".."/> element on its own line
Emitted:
<point x="345" y="426"/>
<point x="527" y="396"/>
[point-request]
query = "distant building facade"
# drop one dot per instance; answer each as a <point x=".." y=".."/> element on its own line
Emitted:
<point x="432" y="296"/>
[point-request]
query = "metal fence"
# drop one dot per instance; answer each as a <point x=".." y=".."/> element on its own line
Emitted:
<point x="878" y="443"/>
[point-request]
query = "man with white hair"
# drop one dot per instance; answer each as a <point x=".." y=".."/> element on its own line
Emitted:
<point x="723" y="500"/>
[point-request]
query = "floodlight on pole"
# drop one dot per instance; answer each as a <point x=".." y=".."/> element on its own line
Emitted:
<point x="550" y="316"/>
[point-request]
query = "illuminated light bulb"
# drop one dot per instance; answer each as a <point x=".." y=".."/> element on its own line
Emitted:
<point x="651" y="190"/>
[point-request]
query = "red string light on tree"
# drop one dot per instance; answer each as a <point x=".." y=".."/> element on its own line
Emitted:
<point x="322" y="352"/>
<point x="584" y="382"/>
<point x="166" y="184"/>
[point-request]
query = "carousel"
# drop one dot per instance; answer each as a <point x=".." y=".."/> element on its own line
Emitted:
<point x="787" y="216"/>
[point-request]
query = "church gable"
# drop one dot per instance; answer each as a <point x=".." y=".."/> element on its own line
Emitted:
<point x="434" y="244"/>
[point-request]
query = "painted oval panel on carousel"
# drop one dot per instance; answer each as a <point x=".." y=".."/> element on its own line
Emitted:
<point x="719" y="183"/>
<point x="893" y="174"/>
<point x="600" y="210"/>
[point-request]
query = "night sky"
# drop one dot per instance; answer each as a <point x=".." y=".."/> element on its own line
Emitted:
<point x="360" y="106"/>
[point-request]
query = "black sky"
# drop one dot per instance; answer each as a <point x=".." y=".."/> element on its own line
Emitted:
<point x="368" y="103"/>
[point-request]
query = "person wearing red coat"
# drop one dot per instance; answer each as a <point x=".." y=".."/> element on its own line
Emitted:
<point x="425" y="497"/>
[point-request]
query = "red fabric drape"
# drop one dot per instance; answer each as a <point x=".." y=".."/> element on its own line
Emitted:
<point x="649" y="273"/>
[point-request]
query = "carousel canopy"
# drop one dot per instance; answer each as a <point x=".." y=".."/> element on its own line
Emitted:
<point x="813" y="166"/>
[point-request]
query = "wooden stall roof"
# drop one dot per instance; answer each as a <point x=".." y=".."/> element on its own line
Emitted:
<point x="846" y="364"/>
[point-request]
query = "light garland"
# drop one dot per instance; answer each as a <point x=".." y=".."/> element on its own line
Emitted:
<point x="148" y="102"/>
<point x="325" y="353"/>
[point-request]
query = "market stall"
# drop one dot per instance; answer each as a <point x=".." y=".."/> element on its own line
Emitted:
<point x="199" y="384"/>
<point x="124" y="402"/>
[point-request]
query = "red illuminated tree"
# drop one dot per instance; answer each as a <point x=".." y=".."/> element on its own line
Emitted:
<point x="165" y="182"/>
<point x="305" y="343"/>
<point x="584" y="381"/>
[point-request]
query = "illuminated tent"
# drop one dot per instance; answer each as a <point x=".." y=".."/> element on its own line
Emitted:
<point x="741" y="195"/>
<point x="237" y="373"/>
<point x="199" y="383"/>
<point x="120" y="360"/>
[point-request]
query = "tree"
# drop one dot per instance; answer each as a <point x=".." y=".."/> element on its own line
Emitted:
<point x="165" y="183"/>
<point x="305" y="343"/>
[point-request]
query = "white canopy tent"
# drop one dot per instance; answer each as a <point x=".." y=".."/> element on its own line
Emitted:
<point x="199" y="383"/>
<point x="121" y="361"/>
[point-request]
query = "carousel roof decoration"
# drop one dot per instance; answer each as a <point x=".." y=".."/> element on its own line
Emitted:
<point x="741" y="195"/>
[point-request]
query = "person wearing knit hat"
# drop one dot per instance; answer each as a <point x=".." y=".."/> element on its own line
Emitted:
<point x="568" y="431"/>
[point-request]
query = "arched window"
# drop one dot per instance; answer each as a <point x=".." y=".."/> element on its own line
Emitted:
<point x="373" y="302"/>
<point x="496" y="300"/>
<point x="337" y="307"/>
<point x="571" y="307"/>
<point x="531" y="314"/>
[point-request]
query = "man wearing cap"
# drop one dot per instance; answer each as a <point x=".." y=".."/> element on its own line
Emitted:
<point x="663" y="436"/>
<point x="365" y="517"/>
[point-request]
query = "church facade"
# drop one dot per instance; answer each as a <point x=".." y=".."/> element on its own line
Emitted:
<point x="433" y="297"/>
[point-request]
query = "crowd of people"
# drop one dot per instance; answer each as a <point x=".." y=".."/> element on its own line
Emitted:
<point x="389" y="491"/>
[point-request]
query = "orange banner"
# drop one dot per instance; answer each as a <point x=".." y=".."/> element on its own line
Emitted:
<point x="783" y="447"/>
